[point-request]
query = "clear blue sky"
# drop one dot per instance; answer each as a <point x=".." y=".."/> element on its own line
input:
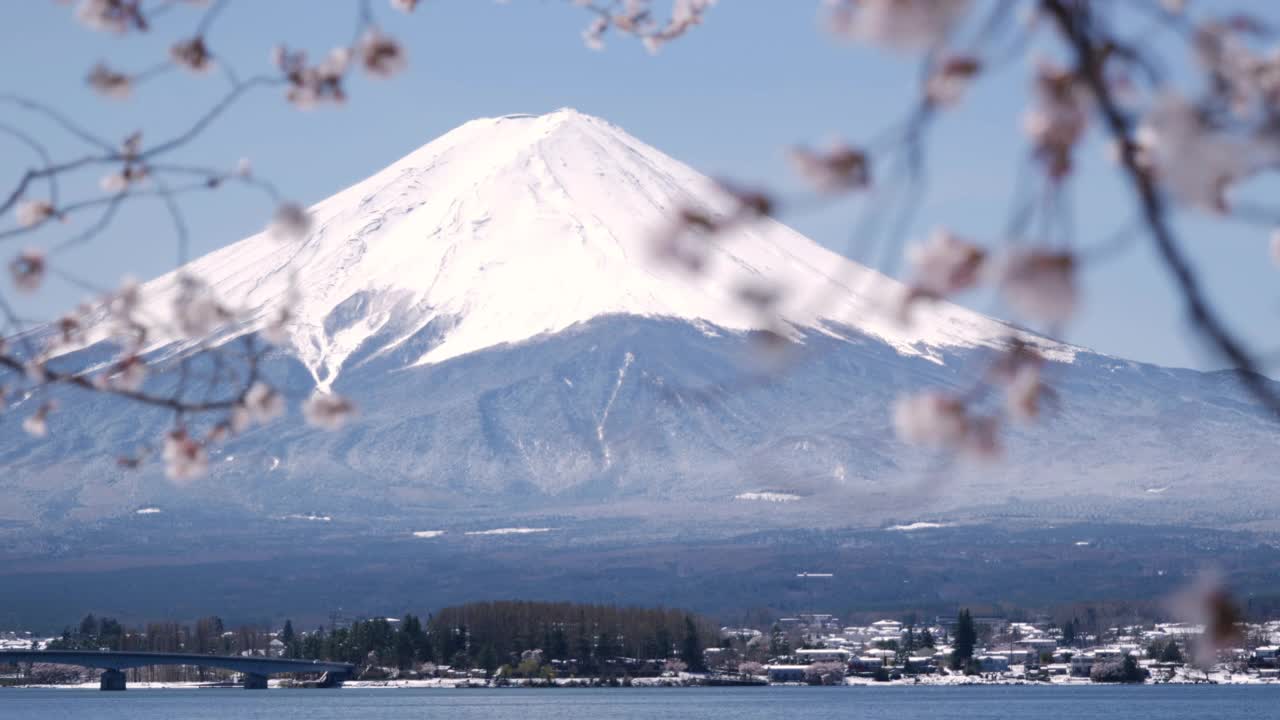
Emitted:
<point x="759" y="76"/>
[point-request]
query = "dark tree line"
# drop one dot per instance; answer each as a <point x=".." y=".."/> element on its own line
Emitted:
<point x="476" y="635"/>
<point x="377" y="641"/>
<point x="207" y="636"/>
<point x="490" y="634"/>
<point x="964" y="641"/>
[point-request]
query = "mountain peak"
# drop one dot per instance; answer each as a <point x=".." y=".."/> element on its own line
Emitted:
<point x="507" y="228"/>
<point x="561" y="115"/>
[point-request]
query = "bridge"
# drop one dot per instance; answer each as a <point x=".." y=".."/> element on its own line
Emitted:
<point x="113" y="664"/>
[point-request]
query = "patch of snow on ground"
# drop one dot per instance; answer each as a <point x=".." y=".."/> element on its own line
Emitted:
<point x="767" y="496"/>
<point x="918" y="526"/>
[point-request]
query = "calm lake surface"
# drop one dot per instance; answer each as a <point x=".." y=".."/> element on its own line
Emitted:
<point x="900" y="703"/>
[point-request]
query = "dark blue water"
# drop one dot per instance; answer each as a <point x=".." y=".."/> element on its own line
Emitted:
<point x="881" y="703"/>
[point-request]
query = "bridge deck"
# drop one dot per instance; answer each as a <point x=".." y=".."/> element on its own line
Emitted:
<point x="125" y="660"/>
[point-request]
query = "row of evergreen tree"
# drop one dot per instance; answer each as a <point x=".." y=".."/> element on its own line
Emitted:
<point x="489" y="634"/>
<point x="207" y="636"/>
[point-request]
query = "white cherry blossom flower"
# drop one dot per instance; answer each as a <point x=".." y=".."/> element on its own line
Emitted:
<point x="839" y="168"/>
<point x="33" y="212"/>
<point x="1208" y="604"/>
<point x="327" y="410"/>
<point x="109" y="83"/>
<point x="942" y="421"/>
<point x="950" y="79"/>
<point x="898" y="24"/>
<point x="35" y="371"/>
<point x="945" y="264"/>
<point x="1040" y="284"/>
<point x="192" y="54"/>
<point x="310" y="86"/>
<point x="124" y="328"/>
<point x="37" y="424"/>
<point x="1023" y="393"/>
<point x="1193" y="162"/>
<point x="931" y="418"/>
<point x="381" y="55"/>
<point x="116" y="16"/>
<point x="981" y="439"/>
<point x="1058" y="118"/>
<point x="195" y="308"/>
<point x="128" y="374"/>
<point x="239" y="419"/>
<point x="290" y="223"/>
<point x="28" y="270"/>
<point x="70" y="328"/>
<point x="593" y="36"/>
<point x="263" y="402"/>
<point x="185" y="458"/>
<point x="685" y="14"/>
<point x="113" y="183"/>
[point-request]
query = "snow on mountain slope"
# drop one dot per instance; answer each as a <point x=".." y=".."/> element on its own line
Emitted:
<point x="507" y="228"/>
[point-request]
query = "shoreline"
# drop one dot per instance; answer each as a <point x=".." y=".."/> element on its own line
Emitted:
<point x="659" y="683"/>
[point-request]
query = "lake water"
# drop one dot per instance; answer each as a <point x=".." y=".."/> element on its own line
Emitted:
<point x="899" y="703"/>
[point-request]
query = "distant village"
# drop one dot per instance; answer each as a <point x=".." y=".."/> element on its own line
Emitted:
<point x="819" y="649"/>
<point x="557" y="645"/>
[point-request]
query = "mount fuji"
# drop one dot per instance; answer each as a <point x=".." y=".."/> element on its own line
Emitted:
<point x="525" y="368"/>
<point x="516" y="227"/>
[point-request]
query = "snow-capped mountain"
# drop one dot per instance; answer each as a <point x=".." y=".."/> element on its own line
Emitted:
<point x="493" y="304"/>
<point x="508" y="228"/>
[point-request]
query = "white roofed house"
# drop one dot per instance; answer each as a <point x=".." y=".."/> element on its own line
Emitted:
<point x="859" y="634"/>
<point x="1022" y="657"/>
<point x="920" y="664"/>
<point x="717" y="658"/>
<point x="993" y="663"/>
<point x="1082" y="663"/>
<point x="814" y="655"/>
<point x="1037" y="644"/>
<point x="887" y="627"/>
<point x="867" y="663"/>
<point x="1267" y="656"/>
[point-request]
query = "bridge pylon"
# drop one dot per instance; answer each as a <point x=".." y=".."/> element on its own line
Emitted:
<point x="112" y="680"/>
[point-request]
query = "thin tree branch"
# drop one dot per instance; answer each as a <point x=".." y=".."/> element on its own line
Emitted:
<point x="1073" y="19"/>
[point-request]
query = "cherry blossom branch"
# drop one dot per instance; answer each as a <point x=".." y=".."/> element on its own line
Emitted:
<point x="636" y="18"/>
<point x="1074" y="25"/>
<point x="86" y="382"/>
<point x="233" y="388"/>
